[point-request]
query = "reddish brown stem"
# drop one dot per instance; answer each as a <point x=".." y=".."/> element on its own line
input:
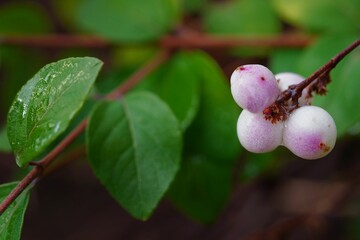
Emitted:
<point x="54" y="41"/>
<point x="139" y="75"/>
<point x="41" y="165"/>
<point x="274" y="111"/>
<point x="25" y="182"/>
<point x="196" y="40"/>
<point x="325" y="68"/>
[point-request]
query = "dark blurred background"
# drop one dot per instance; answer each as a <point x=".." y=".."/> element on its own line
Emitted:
<point x="271" y="196"/>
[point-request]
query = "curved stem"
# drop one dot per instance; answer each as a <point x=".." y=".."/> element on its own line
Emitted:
<point x="199" y="40"/>
<point x="331" y="64"/>
<point x="41" y="165"/>
<point x="195" y="40"/>
<point x="277" y="111"/>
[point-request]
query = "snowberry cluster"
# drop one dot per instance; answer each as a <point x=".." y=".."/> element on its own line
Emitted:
<point x="309" y="131"/>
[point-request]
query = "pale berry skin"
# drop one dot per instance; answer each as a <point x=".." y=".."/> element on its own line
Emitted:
<point x="253" y="87"/>
<point x="257" y="134"/>
<point x="310" y="132"/>
<point x="285" y="79"/>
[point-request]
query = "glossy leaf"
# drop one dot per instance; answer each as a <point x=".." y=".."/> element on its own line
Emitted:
<point x="4" y="142"/>
<point x="321" y="15"/>
<point x="127" y="21"/>
<point x="22" y="18"/>
<point x="134" y="148"/>
<point x="46" y="104"/>
<point x="201" y="188"/>
<point x="11" y="221"/>
<point x="342" y="97"/>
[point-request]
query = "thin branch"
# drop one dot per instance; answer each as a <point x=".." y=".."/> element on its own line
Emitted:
<point x="25" y="182"/>
<point x="195" y="40"/>
<point x="198" y="40"/>
<point x="325" y="68"/>
<point x="54" y="41"/>
<point x="41" y="165"/>
<point x="278" y="110"/>
<point x="139" y="75"/>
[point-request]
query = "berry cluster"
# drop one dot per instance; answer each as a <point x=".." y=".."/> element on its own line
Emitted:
<point x="309" y="131"/>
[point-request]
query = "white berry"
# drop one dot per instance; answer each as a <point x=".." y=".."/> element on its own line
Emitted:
<point x="310" y="132"/>
<point x="254" y="87"/>
<point x="257" y="134"/>
<point x="285" y="79"/>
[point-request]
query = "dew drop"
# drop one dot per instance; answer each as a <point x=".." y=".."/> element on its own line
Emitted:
<point x="57" y="127"/>
<point x="46" y="79"/>
<point x="25" y="109"/>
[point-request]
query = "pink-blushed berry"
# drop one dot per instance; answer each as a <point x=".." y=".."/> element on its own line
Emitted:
<point x="309" y="132"/>
<point x="257" y="134"/>
<point x="253" y="87"/>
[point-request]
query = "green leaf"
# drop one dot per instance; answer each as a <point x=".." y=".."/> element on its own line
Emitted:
<point x="132" y="56"/>
<point x="174" y="82"/>
<point x="321" y="51"/>
<point x="23" y="18"/>
<point x="321" y="15"/>
<point x="109" y="81"/>
<point x="66" y="11"/>
<point x="46" y="104"/>
<point x="213" y="131"/>
<point x="284" y="60"/>
<point x="344" y="101"/>
<point x="128" y="21"/>
<point x="342" y="95"/>
<point x="4" y="142"/>
<point x="11" y="220"/>
<point x="258" y="164"/>
<point x="193" y="5"/>
<point x="245" y="17"/>
<point x="134" y="148"/>
<point x="211" y="145"/>
<point x="178" y="86"/>
<point x="201" y="188"/>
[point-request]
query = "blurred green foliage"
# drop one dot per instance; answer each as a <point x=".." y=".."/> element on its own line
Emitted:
<point x="23" y="18"/>
<point x="191" y="83"/>
<point x="140" y="20"/>
<point x="321" y="15"/>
